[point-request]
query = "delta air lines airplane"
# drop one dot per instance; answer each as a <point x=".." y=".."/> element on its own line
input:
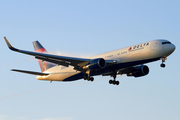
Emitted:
<point x="129" y="61"/>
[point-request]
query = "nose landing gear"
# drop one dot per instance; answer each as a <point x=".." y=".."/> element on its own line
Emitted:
<point x="163" y="65"/>
<point x="163" y="60"/>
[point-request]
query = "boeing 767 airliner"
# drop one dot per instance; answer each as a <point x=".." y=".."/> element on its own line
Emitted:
<point x="129" y="61"/>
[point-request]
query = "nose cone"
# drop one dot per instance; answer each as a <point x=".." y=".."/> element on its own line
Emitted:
<point x="172" y="47"/>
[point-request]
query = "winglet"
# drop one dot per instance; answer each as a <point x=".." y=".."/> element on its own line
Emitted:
<point x="9" y="45"/>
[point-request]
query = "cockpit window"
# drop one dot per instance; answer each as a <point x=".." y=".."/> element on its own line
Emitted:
<point x="166" y="43"/>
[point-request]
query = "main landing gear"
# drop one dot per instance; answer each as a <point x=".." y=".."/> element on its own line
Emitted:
<point x="163" y="60"/>
<point x="88" y="78"/>
<point x="114" y="82"/>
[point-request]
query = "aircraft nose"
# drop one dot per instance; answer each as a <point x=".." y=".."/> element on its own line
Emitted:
<point x="172" y="47"/>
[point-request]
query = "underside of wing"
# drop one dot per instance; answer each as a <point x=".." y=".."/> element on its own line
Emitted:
<point x="136" y="71"/>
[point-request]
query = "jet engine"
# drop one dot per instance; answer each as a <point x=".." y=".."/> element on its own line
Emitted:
<point x="139" y="71"/>
<point x="95" y="64"/>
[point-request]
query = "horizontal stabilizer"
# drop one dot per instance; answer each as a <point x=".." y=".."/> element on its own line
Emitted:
<point x="30" y="72"/>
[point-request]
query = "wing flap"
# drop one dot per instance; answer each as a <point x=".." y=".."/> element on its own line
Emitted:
<point x="120" y="71"/>
<point x="56" y="61"/>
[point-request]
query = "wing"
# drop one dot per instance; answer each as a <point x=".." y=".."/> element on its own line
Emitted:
<point x="120" y="71"/>
<point x="60" y="60"/>
<point x="136" y="71"/>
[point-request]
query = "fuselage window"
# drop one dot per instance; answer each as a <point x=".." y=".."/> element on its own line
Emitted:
<point x="109" y="56"/>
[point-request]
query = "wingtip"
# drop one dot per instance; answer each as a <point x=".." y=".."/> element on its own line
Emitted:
<point x="9" y="44"/>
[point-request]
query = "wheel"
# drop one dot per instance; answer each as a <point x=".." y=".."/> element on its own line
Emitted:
<point x="91" y="79"/>
<point x="88" y="78"/>
<point x="114" y="82"/>
<point x="117" y="82"/>
<point x="163" y="65"/>
<point x="110" y="81"/>
<point x="85" y="77"/>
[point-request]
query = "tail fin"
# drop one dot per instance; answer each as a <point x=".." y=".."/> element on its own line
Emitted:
<point x="43" y="64"/>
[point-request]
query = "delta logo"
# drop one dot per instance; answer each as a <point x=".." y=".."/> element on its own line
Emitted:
<point x="138" y="46"/>
<point x="130" y="49"/>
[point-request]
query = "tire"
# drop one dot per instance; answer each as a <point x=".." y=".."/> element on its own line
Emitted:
<point x="110" y="81"/>
<point x="117" y="82"/>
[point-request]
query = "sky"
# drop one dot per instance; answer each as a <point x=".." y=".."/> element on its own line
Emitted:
<point x="83" y="28"/>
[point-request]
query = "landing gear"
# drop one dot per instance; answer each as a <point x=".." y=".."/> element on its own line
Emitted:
<point x="163" y="60"/>
<point x="163" y="65"/>
<point x="114" y="82"/>
<point x="88" y="78"/>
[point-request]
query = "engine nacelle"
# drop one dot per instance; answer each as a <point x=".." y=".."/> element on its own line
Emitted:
<point x="139" y="71"/>
<point x="96" y="64"/>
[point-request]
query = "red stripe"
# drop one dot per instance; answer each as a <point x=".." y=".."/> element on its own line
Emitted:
<point x="41" y="50"/>
<point x="42" y="64"/>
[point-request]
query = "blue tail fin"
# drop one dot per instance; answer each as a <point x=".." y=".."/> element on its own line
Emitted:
<point x="43" y="64"/>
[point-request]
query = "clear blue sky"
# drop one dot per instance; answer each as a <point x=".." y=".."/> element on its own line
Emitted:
<point x="85" y="28"/>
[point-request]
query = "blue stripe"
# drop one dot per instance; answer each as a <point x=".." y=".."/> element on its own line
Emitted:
<point x="110" y="69"/>
<point x="37" y="45"/>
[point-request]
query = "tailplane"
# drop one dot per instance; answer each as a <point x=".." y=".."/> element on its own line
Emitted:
<point x="43" y="64"/>
<point x="30" y="72"/>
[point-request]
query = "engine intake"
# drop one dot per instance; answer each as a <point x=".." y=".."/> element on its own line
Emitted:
<point x="139" y="71"/>
<point x="96" y="64"/>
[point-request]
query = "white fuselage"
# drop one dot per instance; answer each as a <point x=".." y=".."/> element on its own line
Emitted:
<point x="139" y="52"/>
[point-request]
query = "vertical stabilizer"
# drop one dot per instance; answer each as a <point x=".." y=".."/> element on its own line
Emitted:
<point x="43" y="64"/>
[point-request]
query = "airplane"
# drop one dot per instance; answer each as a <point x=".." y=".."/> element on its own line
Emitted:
<point x="129" y="60"/>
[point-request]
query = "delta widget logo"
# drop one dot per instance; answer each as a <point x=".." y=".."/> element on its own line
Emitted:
<point x="130" y="49"/>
